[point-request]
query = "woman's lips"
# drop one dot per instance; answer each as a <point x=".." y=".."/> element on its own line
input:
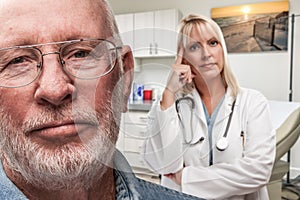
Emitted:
<point x="208" y="65"/>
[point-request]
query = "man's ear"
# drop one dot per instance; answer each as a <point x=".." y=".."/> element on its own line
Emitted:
<point x="128" y="67"/>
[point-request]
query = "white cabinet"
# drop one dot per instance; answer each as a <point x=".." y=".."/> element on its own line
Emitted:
<point x="143" y="35"/>
<point x="131" y="139"/>
<point x="125" y="24"/>
<point x="165" y="32"/>
<point x="126" y="28"/>
<point x="156" y="33"/>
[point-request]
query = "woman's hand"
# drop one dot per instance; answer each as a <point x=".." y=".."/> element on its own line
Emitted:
<point x="180" y="75"/>
<point x="175" y="177"/>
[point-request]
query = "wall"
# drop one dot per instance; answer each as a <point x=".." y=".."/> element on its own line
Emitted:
<point x="268" y="72"/>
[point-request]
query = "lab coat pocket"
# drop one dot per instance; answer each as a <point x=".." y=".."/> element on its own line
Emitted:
<point x="197" y="154"/>
<point x="235" y="145"/>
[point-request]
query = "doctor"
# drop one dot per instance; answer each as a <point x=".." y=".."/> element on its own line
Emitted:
<point x="207" y="136"/>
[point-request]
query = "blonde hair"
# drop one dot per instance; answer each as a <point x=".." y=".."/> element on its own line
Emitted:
<point x="185" y="28"/>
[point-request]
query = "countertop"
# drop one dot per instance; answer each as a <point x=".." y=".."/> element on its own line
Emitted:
<point x="143" y="105"/>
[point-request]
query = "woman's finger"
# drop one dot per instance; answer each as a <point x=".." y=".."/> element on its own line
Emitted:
<point x="178" y="59"/>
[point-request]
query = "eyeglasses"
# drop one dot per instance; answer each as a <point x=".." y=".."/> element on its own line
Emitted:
<point x="83" y="59"/>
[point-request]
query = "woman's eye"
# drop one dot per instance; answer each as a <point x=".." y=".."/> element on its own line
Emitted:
<point x="213" y="43"/>
<point x="194" y="47"/>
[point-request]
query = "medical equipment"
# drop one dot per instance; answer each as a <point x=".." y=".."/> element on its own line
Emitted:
<point x="222" y="143"/>
<point x="184" y="107"/>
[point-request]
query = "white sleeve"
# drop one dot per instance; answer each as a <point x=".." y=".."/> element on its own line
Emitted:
<point x="163" y="146"/>
<point x="246" y="174"/>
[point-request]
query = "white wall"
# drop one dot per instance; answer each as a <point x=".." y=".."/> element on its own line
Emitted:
<point x="267" y="72"/>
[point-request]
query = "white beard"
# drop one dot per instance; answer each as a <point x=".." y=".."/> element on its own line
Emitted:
<point x="72" y="165"/>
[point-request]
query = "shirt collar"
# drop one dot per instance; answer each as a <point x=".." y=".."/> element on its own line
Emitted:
<point x="124" y="181"/>
<point x="8" y="190"/>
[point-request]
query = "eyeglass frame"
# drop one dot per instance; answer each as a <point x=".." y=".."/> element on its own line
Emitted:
<point x="61" y="61"/>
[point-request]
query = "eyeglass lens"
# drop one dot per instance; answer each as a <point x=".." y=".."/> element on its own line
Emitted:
<point x="87" y="59"/>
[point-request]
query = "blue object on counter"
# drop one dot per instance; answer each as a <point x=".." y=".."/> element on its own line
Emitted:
<point x="138" y="92"/>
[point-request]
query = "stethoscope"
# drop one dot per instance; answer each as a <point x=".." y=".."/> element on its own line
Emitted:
<point x="185" y="105"/>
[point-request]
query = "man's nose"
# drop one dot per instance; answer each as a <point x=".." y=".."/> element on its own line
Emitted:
<point x="54" y="85"/>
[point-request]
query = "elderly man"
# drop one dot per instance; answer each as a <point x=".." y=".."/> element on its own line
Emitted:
<point x="64" y="79"/>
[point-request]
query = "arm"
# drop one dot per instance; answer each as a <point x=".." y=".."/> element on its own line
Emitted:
<point x="163" y="147"/>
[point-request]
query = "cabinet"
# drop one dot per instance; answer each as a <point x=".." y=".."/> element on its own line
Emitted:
<point x="154" y="32"/>
<point x="125" y="24"/>
<point x="165" y="32"/>
<point x="131" y="139"/>
<point x="144" y="35"/>
<point x="126" y="28"/>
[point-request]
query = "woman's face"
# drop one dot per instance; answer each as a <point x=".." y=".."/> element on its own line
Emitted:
<point x="204" y="53"/>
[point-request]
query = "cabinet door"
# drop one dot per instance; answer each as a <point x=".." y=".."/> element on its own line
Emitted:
<point x="136" y="131"/>
<point x="136" y="160"/>
<point x="165" y="31"/>
<point x="143" y="34"/>
<point x="136" y="117"/>
<point x="126" y="28"/>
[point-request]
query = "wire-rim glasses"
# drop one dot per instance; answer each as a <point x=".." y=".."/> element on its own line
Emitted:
<point x="83" y="59"/>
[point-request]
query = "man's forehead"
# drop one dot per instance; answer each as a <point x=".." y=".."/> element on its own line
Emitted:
<point x="33" y="3"/>
<point x="15" y="7"/>
<point x="47" y="21"/>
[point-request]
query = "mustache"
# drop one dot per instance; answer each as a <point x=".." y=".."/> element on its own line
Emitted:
<point x="65" y="113"/>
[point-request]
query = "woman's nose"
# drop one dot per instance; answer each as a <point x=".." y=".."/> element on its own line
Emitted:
<point x="205" y="53"/>
<point x="54" y="85"/>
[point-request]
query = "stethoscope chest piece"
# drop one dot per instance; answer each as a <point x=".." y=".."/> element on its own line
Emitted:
<point x="184" y="107"/>
<point x="222" y="144"/>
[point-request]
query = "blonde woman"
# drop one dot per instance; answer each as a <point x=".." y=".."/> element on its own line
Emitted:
<point x="207" y="136"/>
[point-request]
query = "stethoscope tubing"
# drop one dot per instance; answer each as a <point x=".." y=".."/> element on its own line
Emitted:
<point x="229" y="120"/>
<point x="222" y="143"/>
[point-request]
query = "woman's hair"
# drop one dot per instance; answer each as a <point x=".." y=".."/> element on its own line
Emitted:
<point x="185" y="28"/>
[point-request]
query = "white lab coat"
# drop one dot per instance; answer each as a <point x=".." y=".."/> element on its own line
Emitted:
<point x="239" y="172"/>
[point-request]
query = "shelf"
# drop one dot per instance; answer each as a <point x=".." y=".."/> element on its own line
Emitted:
<point x="154" y="56"/>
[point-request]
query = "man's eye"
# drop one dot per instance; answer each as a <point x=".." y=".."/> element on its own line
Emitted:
<point x="17" y="60"/>
<point x="81" y="54"/>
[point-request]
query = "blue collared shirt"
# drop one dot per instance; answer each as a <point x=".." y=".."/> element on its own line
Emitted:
<point x="128" y="186"/>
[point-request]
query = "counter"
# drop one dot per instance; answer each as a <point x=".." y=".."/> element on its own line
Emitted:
<point x="140" y="105"/>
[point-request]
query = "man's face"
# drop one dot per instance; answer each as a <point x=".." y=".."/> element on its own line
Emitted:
<point x="57" y="129"/>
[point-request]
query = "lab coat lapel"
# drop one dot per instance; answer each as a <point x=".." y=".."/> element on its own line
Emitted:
<point x="199" y="107"/>
<point x="225" y="109"/>
<point x="199" y="121"/>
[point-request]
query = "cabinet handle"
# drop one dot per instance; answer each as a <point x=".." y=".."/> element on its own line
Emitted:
<point x="142" y="132"/>
<point x="156" y="48"/>
<point x="144" y="119"/>
<point x="150" y="50"/>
